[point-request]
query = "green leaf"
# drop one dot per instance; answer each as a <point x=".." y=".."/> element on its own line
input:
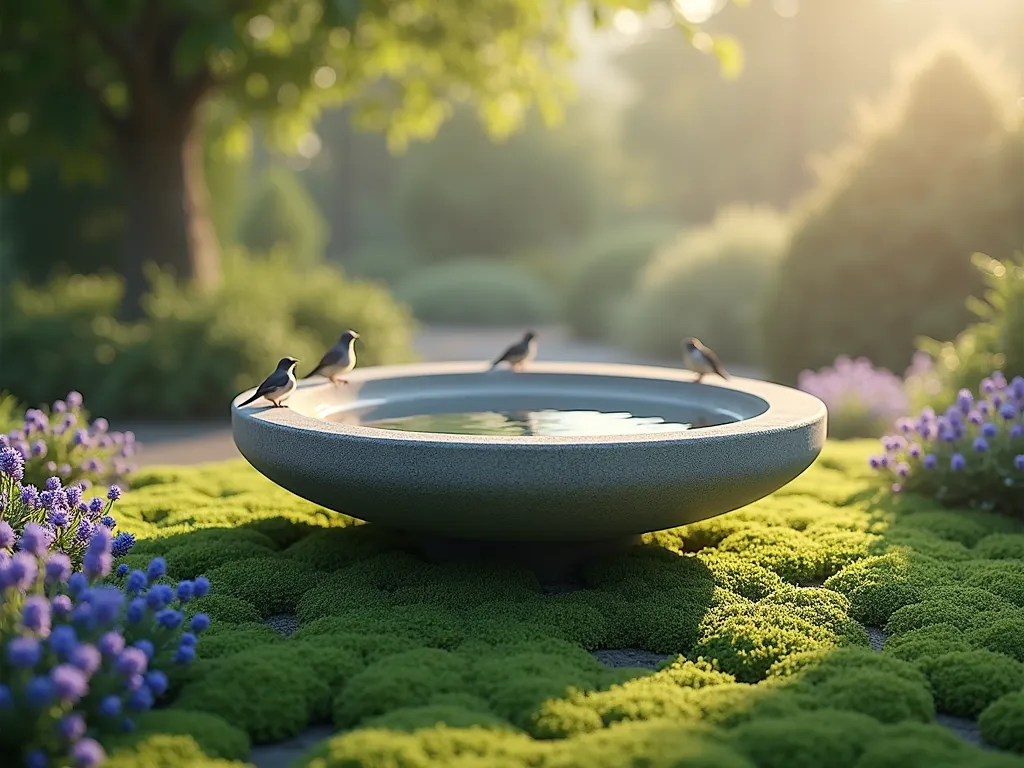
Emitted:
<point x="730" y="55"/>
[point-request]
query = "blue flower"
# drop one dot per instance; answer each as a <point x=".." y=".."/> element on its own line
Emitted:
<point x="136" y="582"/>
<point x="98" y="561"/>
<point x="1016" y="431"/>
<point x="53" y="484"/>
<point x="35" y="615"/>
<point x="39" y="691"/>
<point x="136" y="611"/>
<point x="29" y="496"/>
<point x="957" y="462"/>
<point x="58" y="518"/>
<point x="200" y="586"/>
<point x="63" y="641"/>
<point x="6" y="697"/>
<point x="77" y="583"/>
<point x="157" y="568"/>
<point x="6" y="535"/>
<point x="185" y="654"/>
<point x="109" y="521"/>
<point x="24" y="652"/>
<point x="122" y="544"/>
<point x="157" y="682"/>
<point x="980" y="444"/>
<point x="58" y="568"/>
<point x="121" y="571"/>
<point x="145" y="646"/>
<point x="96" y="505"/>
<point x="1008" y="411"/>
<point x="110" y="706"/>
<point x="187" y="638"/>
<point x="184" y="591"/>
<point x="84" y="531"/>
<point x="114" y="493"/>
<point x="989" y="430"/>
<point x="1018" y="462"/>
<point x="88" y="753"/>
<point x="107" y="602"/>
<point x="965" y="400"/>
<point x="159" y="596"/>
<point x="199" y="623"/>
<point x="36" y="758"/>
<point x="141" y="700"/>
<point x="86" y="657"/>
<point x="169" y="618"/>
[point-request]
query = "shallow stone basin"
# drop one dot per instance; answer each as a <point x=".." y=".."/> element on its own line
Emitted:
<point x="513" y="488"/>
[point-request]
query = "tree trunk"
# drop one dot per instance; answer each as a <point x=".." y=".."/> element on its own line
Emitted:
<point x="166" y="202"/>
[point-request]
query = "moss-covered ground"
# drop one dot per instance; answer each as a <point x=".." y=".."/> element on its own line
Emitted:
<point x="763" y="615"/>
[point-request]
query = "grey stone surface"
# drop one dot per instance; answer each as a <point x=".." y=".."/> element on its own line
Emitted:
<point x="283" y="623"/>
<point x="877" y="637"/>
<point x="966" y="729"/>
<point x="283" y="754"/>
<point x="508" y="488"/>
<point x="629" y="657"/>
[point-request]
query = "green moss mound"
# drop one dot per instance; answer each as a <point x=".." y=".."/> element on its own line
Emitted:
<point x="1002" y="722"/>
<point x="427" y="665"/>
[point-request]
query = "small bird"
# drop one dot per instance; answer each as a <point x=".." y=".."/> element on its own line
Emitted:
<point x="520" y="353"/>
<point x="701" y="360"/>
<point x="278" y="385"/>
<point x="338" y="360"/>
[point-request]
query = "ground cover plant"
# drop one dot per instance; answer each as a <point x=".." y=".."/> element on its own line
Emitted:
<point x="763" y="622"/>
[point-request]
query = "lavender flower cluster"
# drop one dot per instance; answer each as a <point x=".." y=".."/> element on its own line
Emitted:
<point x="67" y="520"/>
<point x="863" y="401"/>
<point x="79" y="656"/>
<point x="60" y="441"/>
<point x="972" y="455"/>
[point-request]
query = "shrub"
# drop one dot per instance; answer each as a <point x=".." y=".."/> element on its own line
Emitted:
<point x="1002" y="722"/>
<point x="709" y="283"/>
<point x="387" y="262"/>
<point x="881" y="251"/>
<point x="477" y="292"/>
<point x="60" y="441"/>
<point x="863" y="401"/>
<point x="81" y="657"/>
<point x="192" y="351"/>
<point x="281" y="216"/>
<point x="970" y="456"/>
<point x="602" y="272"/>
<point x="991" y="342"/>
<point x="965" y="682"/>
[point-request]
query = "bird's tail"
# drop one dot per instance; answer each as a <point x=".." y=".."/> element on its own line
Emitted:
<point x="252" y="399"/>
<point x="496" y="363"/>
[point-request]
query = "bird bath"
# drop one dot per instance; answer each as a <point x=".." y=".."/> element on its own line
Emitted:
<point x="562" y="458"/>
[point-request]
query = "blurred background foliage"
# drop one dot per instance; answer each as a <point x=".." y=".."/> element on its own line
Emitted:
<point x="824" y="199"/>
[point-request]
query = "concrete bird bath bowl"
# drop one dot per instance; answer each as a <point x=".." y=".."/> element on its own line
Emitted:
<point x="576" y="458"/>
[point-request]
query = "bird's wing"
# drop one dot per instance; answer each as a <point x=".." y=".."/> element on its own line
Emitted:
<point x="713" y="361"/>
<point x="510" y="352"/>
<point x="274" y="381"/>
<point x="332" y="356"/>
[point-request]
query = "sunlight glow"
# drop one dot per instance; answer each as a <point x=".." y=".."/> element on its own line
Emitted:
<point x="698" y="11"/>
<point x="627" y="22"/>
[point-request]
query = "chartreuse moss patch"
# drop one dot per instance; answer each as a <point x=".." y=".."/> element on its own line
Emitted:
<point x="761" y="614"/>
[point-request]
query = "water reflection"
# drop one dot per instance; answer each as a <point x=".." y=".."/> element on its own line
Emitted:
<point x="543" y="422"/>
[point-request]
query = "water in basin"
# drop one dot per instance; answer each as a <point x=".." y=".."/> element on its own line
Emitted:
<point x="544" y="422"/>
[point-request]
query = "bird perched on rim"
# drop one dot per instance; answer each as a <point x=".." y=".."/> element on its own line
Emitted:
<point x="278" y="385"/>
<point x="701" y="360"/>
<point x="338" y="360"/>
<point x="520" y="353"/>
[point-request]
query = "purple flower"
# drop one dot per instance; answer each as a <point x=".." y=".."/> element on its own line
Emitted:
<point x="1016" y="431"/>
<point x="53" y="484"/>
<point x="96" y="505"/>
<point x="51" y="466"/>
<point x="61" y="605"/>
<point x="6" y="697"/>
<point x="914" y="451"/>
<point x="63" y="640"/>
<point x="83" y="532"/>
<point x="110" y="706"/>
<point x="6" y="535"/>
<point x="85" y="657"/>
<point x="957" y="462"/>
<point x="131" y="661"/>
<point x="35" y="539"/>
<point x="97" y="561"/>
<point x="69" y="683"/>
<point x="21" y="571"/>
<point x="874" y="463"/>
<point x="78" y="583"/>
<point x="24" y="652"/>
<point x="29" y="496"/>
<point x="59" y="406"/>
<point x="903" y="469"/>
<point x="114" y="493"/>
<point x="87" y="753"/>
<point x="12" y="464"/>
<point x="92" y="464"/>
<point x="73" y="496"/>
<point x="965" y="400"/>
<point x="35" y="615"/>
<point x="111" y="644"/>
<point x="38" y="449"/>
<point x="72" y="727"/>
<point x="980" y="444"/>
<point x="101" y="425"/>
<point x="58" y="568"/>
<point x="1018" y="462"/>
<point x="74" y="399"/>
<point x="58" y="518"/>
<point x="63" y="470"/>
